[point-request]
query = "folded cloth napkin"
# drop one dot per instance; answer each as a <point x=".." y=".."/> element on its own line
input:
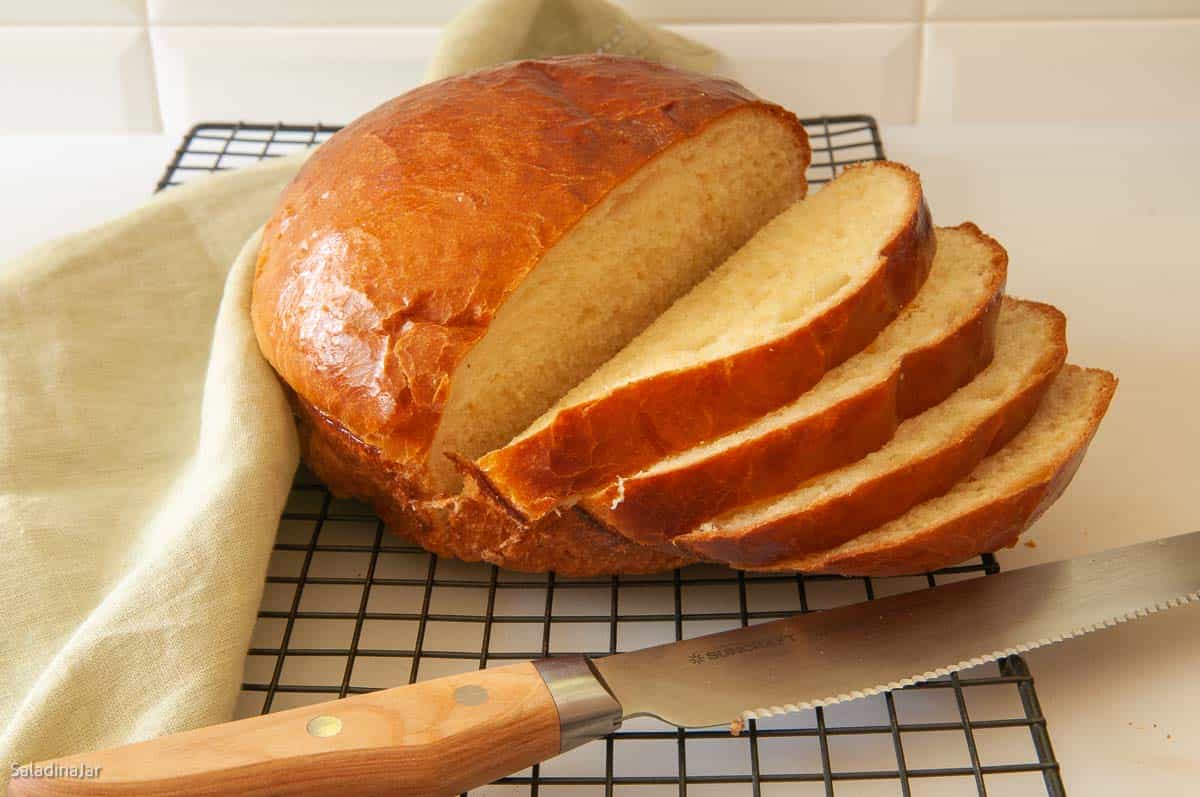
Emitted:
<point x="146" y="448"/>
<point x="145" y="454"/>
<point x="492" y="31"/>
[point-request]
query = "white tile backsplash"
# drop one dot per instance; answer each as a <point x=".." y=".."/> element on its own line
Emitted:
<point x="822" y="69"/>
<point x="282" y="13"/>
<point x="1061" y="71"/>
<point x="773" y="10"/>
<point x="73" y="12"/>
<point x="330" y="75"/>
<point x="74" y="80"/>
<point x="129" y="64"/>
<point x="1045" y="9"/>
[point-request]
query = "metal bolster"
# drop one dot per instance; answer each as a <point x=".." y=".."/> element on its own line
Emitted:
<point x="586" y="709"/>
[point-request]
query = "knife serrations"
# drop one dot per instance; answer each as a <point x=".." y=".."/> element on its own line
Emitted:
<point x="767" y="711"/>
<point x="839" y="654"/>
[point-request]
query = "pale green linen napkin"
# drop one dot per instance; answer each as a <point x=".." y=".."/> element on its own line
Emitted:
<point x="146" y="448"/>
<point x="145" y="455"/>
<point x="492" y="31"/>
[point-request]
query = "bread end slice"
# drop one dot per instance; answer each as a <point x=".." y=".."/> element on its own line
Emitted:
<point x="996" y="503"/>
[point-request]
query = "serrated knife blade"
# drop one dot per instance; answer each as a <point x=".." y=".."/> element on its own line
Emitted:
<point x="838" y="654"/>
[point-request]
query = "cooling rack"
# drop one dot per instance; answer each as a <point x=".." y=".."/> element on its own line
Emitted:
<point x="349" y="608"/>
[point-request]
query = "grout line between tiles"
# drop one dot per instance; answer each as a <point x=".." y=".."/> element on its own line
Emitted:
<point x="1060" y="20"/>
<point x="921" y="68"/>
<point x="155" y="76"/>
<point x="276" y="28"/>
<point x="73" y="26"/>
<point x="694" y="22"/>
<point x="922" y="56"/>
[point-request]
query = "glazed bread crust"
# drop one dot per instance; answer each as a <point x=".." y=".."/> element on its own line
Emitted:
<point x="395" y="247"/>
<point x="452" y="267"/>
<point x="568" y="543"/>
<point x="671" y="498"/>
<point x="998" y="501"/>
<point x="977" y="420"/>
<point x="588" y="444"/>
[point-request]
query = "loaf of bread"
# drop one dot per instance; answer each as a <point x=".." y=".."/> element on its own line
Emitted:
<point x="576" y="315"/>
<point x="929" y="453"/>
<point x="810" y="289"/>
<point x="937" y="344"/>
<point x="445" y="268"/>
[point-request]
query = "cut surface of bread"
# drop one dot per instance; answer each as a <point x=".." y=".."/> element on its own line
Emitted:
<point x="444" y="268"/>
<point x="811" y="288"/>
<point x="995" y="503"/>
<point x="927" y="455"/>
<point x="939" y="342"/>
<point x="650" y="240"/>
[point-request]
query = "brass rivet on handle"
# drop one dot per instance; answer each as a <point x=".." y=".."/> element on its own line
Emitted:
<point x="470" y="695"/>
<point x="324" y="725"/>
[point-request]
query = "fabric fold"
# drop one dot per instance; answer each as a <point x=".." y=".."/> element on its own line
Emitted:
<point x="146" y="451"/>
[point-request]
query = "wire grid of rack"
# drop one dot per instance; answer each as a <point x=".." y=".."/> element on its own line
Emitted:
<point x="349" y="608"/>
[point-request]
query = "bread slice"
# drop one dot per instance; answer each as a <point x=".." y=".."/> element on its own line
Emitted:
<point x="812" y="288"/>
<point x="928" y="454"/>
<point x="938" y="343"/>
<point x="995" y="503"/>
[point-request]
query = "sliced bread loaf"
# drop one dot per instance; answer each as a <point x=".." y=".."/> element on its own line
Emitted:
<point x="810" y="289"/>
<point x="995" y="503"/>
<point x="927" y="455"/>
<point x="941" y="340"/>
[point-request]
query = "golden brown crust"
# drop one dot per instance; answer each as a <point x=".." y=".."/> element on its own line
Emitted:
<point x="464" y="528"/>
<point x="567" y="542"/>
<point x="590" y="444"/>
<point x="391" y="251"/>
<point x="889" y="495"/>
<point x="986" y="528"/>
<point x="653" y="508"/>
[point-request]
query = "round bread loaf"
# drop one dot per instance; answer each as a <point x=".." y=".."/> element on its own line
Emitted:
<point x="445" y="268"/>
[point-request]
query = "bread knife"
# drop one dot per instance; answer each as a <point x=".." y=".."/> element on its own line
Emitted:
<point x="445" y="736"/>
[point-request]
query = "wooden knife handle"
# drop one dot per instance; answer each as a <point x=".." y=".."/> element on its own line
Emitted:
<point x="439" y="737"/>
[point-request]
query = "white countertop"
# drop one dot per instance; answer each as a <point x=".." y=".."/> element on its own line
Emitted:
<point x="1100" y="221"/>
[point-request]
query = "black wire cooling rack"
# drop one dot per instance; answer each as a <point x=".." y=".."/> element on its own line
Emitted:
<point x="349" y="608"/>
